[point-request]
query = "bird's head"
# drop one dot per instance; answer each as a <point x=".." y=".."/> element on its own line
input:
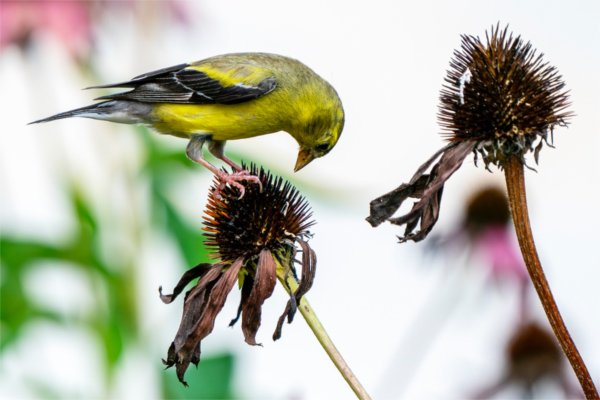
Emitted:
<point x="319" y="135"/>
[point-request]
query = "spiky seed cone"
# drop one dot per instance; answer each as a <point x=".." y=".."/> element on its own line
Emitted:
<point x="259" y="220"/>
<point x="503" y="95"/>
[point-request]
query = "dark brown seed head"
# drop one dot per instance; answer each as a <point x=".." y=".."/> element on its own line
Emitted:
<point x="503" y="95"/>
<point x="266" y="219"/>
<point x="252" y="237"/>
<point x="487" y="207"/>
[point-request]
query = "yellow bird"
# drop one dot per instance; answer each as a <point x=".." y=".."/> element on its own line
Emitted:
<point x="228" y="97"/>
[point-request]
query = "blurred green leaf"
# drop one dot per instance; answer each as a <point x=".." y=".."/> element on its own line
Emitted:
<point x="212" y="380"/>
<point x="16" y="309"/>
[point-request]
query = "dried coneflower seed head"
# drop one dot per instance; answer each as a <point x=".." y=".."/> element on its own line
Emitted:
<point x="532" y="341"/>
<point x="261" y="219"/>
<point x="503" y="95"/>
<point x="487" y="207"/>
<point x="253" y="238"/>
<point x="500" y="101"/>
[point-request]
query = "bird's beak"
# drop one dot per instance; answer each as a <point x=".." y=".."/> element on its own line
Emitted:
<point x="304" y="157"/>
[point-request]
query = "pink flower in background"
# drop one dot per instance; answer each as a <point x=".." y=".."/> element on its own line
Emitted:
<point x="68" y="21"/>
<point x="485" y="232"/>
<point x="489" y="239"/>
<point x="497" y="246"/>
<point x="71" y="22"/>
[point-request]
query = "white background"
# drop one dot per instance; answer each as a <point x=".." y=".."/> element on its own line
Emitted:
<point x="387" y="59"/>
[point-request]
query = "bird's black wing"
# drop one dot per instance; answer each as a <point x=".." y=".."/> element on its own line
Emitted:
<point x="186" y="84"/>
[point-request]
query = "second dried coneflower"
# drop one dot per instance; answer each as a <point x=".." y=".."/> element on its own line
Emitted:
<point x="500" y="101"/>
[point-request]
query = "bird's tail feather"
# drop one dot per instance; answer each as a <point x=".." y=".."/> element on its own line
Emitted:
<point x="91" y="111"/>
<point x="112" y="110"/>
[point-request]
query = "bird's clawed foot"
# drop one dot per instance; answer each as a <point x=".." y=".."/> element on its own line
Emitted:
<point x="235" y="180"/>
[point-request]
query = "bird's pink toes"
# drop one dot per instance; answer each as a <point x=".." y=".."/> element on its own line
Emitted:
<point x="234" y="179"/>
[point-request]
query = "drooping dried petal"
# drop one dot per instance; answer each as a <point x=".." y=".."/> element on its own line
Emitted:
<point x="202" y="305"/>
<point x="189" y="275"/>
<point x="193" y="311"/>
<point x="309" y="269"/>
<point x="264" y="283"/>
<point x="248" y="283"/>
<point x="309" y="266"/>
<point x="427" y="188"/>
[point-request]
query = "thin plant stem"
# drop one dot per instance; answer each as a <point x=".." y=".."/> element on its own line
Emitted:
<point x="515" y="183"/>
<point x="291" y="285"/>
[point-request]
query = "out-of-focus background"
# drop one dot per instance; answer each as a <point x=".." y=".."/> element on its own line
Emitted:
<point x="96" y="216"/>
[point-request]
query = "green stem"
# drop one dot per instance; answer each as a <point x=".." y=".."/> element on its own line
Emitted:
<point x="515" y="183"/>
<point x="290" y="284"/>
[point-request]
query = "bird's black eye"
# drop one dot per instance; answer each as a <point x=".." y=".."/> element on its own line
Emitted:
<point x="322" y="148"/>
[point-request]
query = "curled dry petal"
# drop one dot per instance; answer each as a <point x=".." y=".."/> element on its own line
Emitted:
<point x="248" y="283"/>
<point x="201" y="307"/>
<point x="427" y="188"/>
<point x="264" y="283"/>
<point x="309" y="266"/>
<point x="189" y="275"/>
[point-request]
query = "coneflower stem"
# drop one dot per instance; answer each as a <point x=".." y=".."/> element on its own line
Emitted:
<point x="515" y="183"/>
<point x="290" y="284"/>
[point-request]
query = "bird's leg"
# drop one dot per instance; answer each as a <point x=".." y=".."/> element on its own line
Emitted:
<point x="216" y="148"/>
<point x="194" y="153"/>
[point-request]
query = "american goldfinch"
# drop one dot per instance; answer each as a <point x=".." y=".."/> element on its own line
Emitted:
<point x="228" y="97"/>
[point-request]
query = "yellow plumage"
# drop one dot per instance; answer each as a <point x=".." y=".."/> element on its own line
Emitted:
<point x="229" y="97"/>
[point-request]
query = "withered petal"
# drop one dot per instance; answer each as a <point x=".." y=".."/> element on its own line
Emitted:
<point x="309" y="268"/>
<point x="427" y="188"/>
<point x="286" y="313"/>
<point x="193" y="310"/>
<point x="187" y="277"/>
<point x="201" y="308"/>
<point x="385" y="206"/>
<point x="264" y="283"/>
<point x="245" y="292"/>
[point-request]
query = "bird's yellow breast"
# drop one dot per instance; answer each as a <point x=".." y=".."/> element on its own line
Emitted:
<point x="222" y="121"/>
